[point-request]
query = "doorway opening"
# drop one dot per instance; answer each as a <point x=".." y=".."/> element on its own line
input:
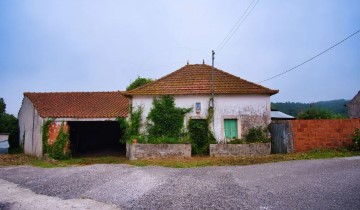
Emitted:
<point x="96" y="138"/>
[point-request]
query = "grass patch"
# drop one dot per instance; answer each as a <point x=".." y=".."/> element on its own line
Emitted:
<point x="197" y="161"/>
<point x="15" y="159"/>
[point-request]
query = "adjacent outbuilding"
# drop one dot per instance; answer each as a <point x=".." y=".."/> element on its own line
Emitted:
<point x="354" y="107"/>
<point x="89" y="119"/>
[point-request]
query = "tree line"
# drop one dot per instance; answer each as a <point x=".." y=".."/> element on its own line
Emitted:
<point x="318" y="110"/>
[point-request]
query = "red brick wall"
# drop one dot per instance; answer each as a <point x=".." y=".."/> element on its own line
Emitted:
<point x="54" y="130"/>
<point x="316" y="134"/>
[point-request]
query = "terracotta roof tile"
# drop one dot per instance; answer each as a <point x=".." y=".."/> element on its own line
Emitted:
<point x="80" y="104"/>
<point x="197" y="79"/>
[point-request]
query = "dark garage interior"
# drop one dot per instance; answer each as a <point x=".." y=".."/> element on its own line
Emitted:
<point x="95" y="138"/>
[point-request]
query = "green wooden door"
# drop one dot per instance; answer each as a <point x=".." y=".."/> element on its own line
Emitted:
<point x="231" y="128"/>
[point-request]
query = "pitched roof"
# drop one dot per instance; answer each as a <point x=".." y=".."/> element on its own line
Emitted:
<point x="80" y="104"/>
<point x="197" y="79"/>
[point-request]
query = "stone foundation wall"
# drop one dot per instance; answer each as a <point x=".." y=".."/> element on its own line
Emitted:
<point x="223" y="150"/>
<point x="150" y="151"/>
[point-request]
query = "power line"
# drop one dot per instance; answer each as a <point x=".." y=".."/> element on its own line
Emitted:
<point x="237" y="25"/>
<point x="312" y="58"/>
<point x="234" y="27"/>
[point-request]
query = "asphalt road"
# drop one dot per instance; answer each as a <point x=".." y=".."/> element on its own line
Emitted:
<point x="308" y="184"/>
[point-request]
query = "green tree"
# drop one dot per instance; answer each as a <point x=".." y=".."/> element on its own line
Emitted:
<point x="318" y="113"/>
<point x="2" y="106"/>
<point x="138" y="83"/>
<point x="9" y="124"/>
<point x="200" y="136"/>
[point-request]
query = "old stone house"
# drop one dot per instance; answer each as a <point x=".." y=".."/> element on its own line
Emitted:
<point x="353" y="107"/>
<point x="238" y="104"/>
<point x="90" y="118"/>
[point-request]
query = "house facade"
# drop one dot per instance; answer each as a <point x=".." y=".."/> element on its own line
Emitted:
<point x="238" y="104"/>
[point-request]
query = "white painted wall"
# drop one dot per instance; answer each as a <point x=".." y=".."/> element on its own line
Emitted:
<point x="30" y="128"/>
<point x="248" y="109"/>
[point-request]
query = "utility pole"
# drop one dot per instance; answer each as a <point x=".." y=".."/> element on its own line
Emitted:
<point x="212" y="102"/>
<point x="212" y="80"/>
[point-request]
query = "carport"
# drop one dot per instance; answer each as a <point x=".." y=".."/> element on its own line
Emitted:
<point x="90" y="119"/>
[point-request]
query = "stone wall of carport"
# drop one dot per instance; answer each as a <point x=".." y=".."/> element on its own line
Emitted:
<point x="318" y="134"/>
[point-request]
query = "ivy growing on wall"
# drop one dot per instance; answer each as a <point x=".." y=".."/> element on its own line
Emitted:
<point x="165" y="121"/>
<point x="60" y="148"/>
<point x="130" y="129"/>
<point x="45" y="134"/>
<point x="200" y="136"/>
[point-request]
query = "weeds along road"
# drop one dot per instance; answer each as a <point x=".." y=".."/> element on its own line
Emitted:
<point x="305" y="184"/>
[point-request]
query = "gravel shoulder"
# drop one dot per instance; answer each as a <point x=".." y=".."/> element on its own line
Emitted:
<point x="14" y="197"/>
<point x="306" y="184"/>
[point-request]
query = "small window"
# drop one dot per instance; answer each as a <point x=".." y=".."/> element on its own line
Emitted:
<point x="231" y="128"/>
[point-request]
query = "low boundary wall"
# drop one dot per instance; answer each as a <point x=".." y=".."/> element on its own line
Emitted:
<point x="224" y="150"/>
<point x="149" y="151"/>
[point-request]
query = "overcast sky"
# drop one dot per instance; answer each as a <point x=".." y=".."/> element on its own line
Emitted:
<point x="92" y="45"/>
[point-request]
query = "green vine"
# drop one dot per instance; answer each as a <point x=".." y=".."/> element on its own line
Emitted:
<point x="130" y="129"/>
<point x="165" y="121"/>
<point x="60" y="149"/>
<point x="45" y="134"/>
<point x="200" y="136"/>
<point x="210" y="116"/>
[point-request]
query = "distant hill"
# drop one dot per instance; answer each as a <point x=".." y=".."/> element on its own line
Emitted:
<point x="292" y="108"/>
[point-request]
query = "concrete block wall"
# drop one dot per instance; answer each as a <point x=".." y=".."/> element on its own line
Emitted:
<point x="318" y="134"/>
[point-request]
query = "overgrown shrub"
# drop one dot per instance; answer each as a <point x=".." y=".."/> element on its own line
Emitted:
<point x="130" y="129"/>
<point x="356" y="140"/>
<point x="200" y="136"/>
<point x="256" y="134"/>
<point x="165" y="120"/>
